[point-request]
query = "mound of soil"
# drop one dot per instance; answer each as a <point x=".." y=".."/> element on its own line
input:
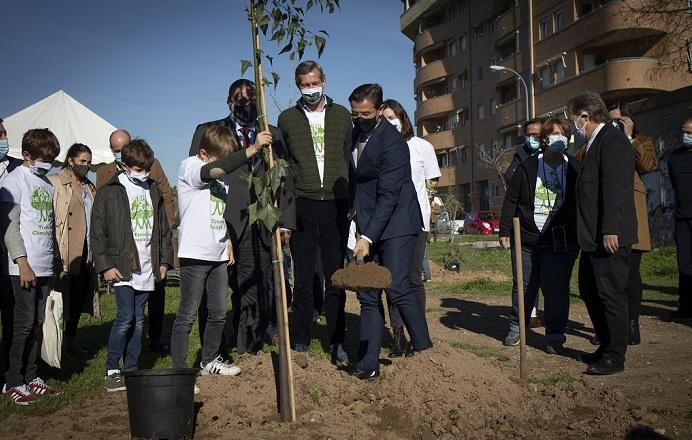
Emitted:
<point x="368" y="276"/>
<point x="440" y="393"/>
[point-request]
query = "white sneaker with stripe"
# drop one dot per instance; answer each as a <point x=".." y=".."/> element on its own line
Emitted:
<point x="217" y="366"/>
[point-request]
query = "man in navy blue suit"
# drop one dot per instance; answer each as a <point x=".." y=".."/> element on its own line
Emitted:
<point x="388" y="220"/>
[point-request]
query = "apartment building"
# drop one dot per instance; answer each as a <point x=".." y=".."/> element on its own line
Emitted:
<point x="467" y="110"/>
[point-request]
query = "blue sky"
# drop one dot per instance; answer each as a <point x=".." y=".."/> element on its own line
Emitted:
<point x="158" y="68"/>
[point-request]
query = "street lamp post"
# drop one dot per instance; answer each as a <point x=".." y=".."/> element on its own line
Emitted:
<point x="526" y="88"/>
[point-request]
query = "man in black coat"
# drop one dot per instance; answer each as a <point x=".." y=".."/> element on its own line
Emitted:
<point x="388" y="219"/>
<point x="530" y="145"/>
<point x="7" y="164"/>
<point x="606" y="227"/>
<point x="251" y="277"/>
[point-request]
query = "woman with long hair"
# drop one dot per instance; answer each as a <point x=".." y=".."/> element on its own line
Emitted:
<point x="424" y="173"/>
<point x="73" y="196"/>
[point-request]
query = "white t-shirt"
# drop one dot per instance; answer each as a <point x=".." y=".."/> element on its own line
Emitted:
<point x="316" y="120"/>
<point x="550" y="191"/>
<point x="423" y="167"/>
<point x="36" y="221"/>
<point x="142" y="220"/>
<point x="202" y="234"/>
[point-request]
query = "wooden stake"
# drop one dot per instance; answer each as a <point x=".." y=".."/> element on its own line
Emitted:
<point x="520" y="291"/>
<point x="287" y="404"/>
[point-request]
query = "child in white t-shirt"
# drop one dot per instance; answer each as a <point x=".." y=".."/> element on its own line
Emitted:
<point x="131" y="247"/>
<point x="29" y="234"/>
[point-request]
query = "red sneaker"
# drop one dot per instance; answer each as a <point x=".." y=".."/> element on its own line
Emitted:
<point x="19" y="395"/>
<point x="38" y="387"/>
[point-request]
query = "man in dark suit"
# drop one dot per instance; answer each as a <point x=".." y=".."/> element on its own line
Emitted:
<point x="606" y="227"/>
<point x="251" y="277"/>
<point x="7" y="164"/>
<point x="388" y="219"/>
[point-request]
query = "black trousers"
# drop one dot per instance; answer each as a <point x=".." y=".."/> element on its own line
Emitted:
<point x="321" y="225"/>
<point x="634" y="286"/>
<point x="416" y="281"/>
<point x="249" y="281"/>
<point x="156" y="307"/>
<point x="683" y="241"/>
<point x="77" y="293"/>
<point x="602" y="284"/>
<point x="7" y="317"/>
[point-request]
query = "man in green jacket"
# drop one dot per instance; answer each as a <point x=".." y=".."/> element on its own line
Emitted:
<point x="317" y="134"/>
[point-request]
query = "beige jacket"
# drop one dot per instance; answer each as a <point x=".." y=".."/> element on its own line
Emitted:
<point x="70" y="231"/>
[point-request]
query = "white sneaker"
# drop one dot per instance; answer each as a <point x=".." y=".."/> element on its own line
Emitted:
<point x="217" y="366"/>
<point x="197" y="390"/>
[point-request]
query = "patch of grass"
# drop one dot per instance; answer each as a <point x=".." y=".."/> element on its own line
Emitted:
<point x="316" y="394"/>
<point x="480" y="351"/>
<point x="479" y="286"/>
<point x="493" y="259"/>
<point x="560" y="378"/>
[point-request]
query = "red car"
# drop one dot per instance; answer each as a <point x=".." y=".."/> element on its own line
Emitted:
<point x="482" y="223"/>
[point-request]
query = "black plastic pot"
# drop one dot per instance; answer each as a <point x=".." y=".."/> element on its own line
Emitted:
<point x="160" y="403"/>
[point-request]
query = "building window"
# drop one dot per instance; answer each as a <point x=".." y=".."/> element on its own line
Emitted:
<point x="479" y="72"/>
<point x="557" y="20"/>
<point x="493" y="106"/>
<point x="452" y="46"/>
<point x="453" y="157"/>
<point x="481" y="112"/>
<point x="464" y="154"/>
<point x="543" y="28"/>
<point x="463" y="40"/>
<point x="463" y="116"/>
<point x="443" y="160"/>
<point x="464" y="80"/>
<point x="454" y="84"/>
<point x="544" y="74"/>
<point x="560" y="73"/>
<point x="508" y="141"/>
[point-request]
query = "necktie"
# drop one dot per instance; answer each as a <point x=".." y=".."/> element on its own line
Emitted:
<point x="245" y="131"/>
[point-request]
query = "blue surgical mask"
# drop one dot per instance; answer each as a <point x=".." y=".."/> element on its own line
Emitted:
<point x="118" y="157"/>
<point x="4" y="148"/>
<point x="41" y="168"/>
<point x="579" y="133"/>
<point x="533" y="143"/>
<point x="557" y="143"/>
<point x="687" y="139"/>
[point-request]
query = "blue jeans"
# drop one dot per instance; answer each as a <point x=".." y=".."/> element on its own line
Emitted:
<point x="551" y="272"/>
<point x="427" y="273"/>
<point x="126" y="333"/>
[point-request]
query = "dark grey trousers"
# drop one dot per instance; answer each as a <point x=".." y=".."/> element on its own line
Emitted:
<point x="196" y="276"/>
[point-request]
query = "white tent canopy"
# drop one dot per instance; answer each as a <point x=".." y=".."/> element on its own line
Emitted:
<point x="69" y="120"/>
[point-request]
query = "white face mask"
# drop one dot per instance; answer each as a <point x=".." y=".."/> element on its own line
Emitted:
<point x="312" y="95"/>
<point x="41" y="168"/>
<point x="136" y="177"/>
<point x="396" y="123"/>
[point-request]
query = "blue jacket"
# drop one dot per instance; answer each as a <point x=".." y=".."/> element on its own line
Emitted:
<point x="384" y="196"/>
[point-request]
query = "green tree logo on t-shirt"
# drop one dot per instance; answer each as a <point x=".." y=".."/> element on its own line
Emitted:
<point x="217" y="196"/>
<point x="42" y="201"/>
<point x="142" y="212"/>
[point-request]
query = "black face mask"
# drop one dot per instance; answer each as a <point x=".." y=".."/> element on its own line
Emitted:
<point x="245" y="115"/>
<point x="365" y="125"/>
<point x="80" y="171"/>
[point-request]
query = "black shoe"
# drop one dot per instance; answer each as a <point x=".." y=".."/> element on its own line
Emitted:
<point x="160" y="348"/>
<point x="591" y="358"/>
<point x="363" y="374"/>
<point x="595" y="340"/>
<point x="635" y="336"/>
<point x="555" y="348"/>
<point x="400" y="344"/>
<point x="605" y="367"/>
<point x="681" y="314"/>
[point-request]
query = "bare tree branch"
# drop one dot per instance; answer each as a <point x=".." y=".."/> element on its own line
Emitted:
<point x="498" y="159"/>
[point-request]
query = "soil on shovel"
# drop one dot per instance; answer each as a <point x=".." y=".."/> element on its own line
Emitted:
<point x="440" y="393"/>
<point x="369" y="276"/>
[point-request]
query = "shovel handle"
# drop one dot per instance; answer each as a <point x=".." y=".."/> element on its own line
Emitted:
<point x="359" y="258"/>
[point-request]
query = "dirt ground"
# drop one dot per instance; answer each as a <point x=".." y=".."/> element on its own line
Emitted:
<point x="465" y="387"/>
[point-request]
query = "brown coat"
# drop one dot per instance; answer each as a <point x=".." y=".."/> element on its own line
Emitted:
<point x="106" y="173"/>
<point x="70" y="232"/>
<point x="645" y="161"/>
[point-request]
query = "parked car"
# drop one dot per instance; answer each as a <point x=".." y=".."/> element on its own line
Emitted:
<point x="482" y="223"/>
<point x="445" y="225"/>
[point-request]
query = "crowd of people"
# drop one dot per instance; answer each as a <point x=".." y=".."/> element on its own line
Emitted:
<point x="359" y="184"/>
<point x="590" y="202"/>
